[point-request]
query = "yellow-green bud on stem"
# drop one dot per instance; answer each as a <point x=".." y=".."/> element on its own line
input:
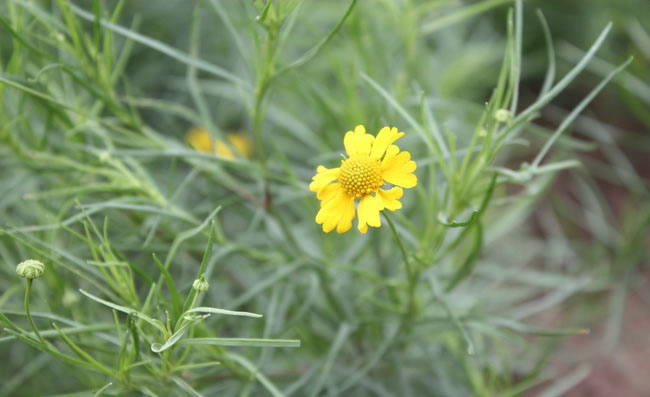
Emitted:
<point x="30" y="269"/>
<point x="503" y="116"/>
<point x="200" y="285"/>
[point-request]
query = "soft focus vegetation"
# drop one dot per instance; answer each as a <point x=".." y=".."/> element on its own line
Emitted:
<point x="185" y="264"/>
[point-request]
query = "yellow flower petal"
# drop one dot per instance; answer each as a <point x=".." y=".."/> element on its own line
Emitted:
<point x="200" y="139"/>
<point x="323" y="177"/>
<point x="241" y="143"/>
<point x="397" y="168"/>
<point x="403" y="180"/>
<point x="222" y="150"/>
<point x="391" y="198"/>
<point x="335" y="211"/>
<point x="357" y="142"/>
<point x="369" y="208"/>
<point x="328" y="192"/>
<point x="345" y="223"/>
<point x="385" y="138"/>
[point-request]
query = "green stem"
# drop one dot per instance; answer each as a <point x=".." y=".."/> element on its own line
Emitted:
<point x="407" y="264"/>
<point x="29" y="315"/>
<point x="411" y="275"/>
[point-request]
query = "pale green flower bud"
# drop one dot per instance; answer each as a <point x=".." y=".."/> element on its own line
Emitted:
<point x="503" y="116"/>
<point x="30" y="269"/>
<point x="104" y="156"/>
<point x="200" y="284"/>
<point x="70" y="298"/>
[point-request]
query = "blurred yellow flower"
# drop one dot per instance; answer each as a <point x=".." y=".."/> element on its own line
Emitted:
<point x="201" y="140"/>
<point x="371" y="162"/>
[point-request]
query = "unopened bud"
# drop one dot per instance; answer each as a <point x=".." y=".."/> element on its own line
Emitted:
<point x="30" y="269"/>
<point x="200" y="284"/>
<point x="503" y="116"/>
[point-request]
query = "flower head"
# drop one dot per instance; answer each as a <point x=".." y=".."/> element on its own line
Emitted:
<point x="371" y="162"/>
<point x="30" y="269"/>
<point x="201" y="140"/>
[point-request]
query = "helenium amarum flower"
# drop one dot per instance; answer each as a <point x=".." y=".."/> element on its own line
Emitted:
<point x="201" y="140"/>
<point x="371" y="162"/>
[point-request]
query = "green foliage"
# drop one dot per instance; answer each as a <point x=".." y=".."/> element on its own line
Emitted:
<point x="249" y="296"/>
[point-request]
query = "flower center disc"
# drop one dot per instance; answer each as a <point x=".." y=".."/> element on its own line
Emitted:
<point x="360" y="175"/>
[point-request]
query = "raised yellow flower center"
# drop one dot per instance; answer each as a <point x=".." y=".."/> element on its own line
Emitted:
<point x="360" y="175"/>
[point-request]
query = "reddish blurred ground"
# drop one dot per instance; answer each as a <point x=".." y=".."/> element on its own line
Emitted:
<point x="625" y="370"/>
<point x="621" y="366"/>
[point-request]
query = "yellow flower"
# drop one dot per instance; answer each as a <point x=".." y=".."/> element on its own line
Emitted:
<point x="371" y="162"/>
<point x="201" y="140"/>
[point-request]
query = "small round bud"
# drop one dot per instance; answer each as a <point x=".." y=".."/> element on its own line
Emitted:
<point x="482" y="133"/>
<point x="104" y="156"/>
<point x="70" y="298"/>
<point x="200" y="284"/>
<point x="30" y="269"/>
<point x="503" y="116"/>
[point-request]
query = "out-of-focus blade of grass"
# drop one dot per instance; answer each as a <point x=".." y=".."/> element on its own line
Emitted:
<point x="549" y="78"/>
<point x="32" y="367"/>
<point x="438" y="294"/>
<point x="561" y="85"/>
<point x="164" y="49"/>
<point x="630" y="82"/>
<point x="526" y="329"/>
<point x="214" y="310"/>
<point x="402" y="112"/>
<point x="101" y="391"/>
<point x="217" y="6"/>
<point x="356" y="375"/>
<point x="254" y="371"/>
<point x="574" y="113"/>
<point x="461" y="15"/>
<point x="187" y="234"/>
<point x="68" y="331"/>
<point x="241" y="342"/>
<point x="127" y="310"/>
<point x="516" y="59"/>
<point x="567" y="382"/>
<point x="341" y="337"/>
<point x="185" y="386"/>
<point x="640" y="37"/>
<point x="312" y="52"/>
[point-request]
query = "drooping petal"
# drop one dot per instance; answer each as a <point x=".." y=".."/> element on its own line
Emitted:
<point x="398" y="168"/>
<point x="385" y="138"/>
<point x="369" y="208"/>
<point x="327" y="208"/>
<point x="357" y="142"/>
<point x="335" y="211"/>
<point x="345" y="223"/>
<point x="391" y="198"/>
<point x="323" y="177"/>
